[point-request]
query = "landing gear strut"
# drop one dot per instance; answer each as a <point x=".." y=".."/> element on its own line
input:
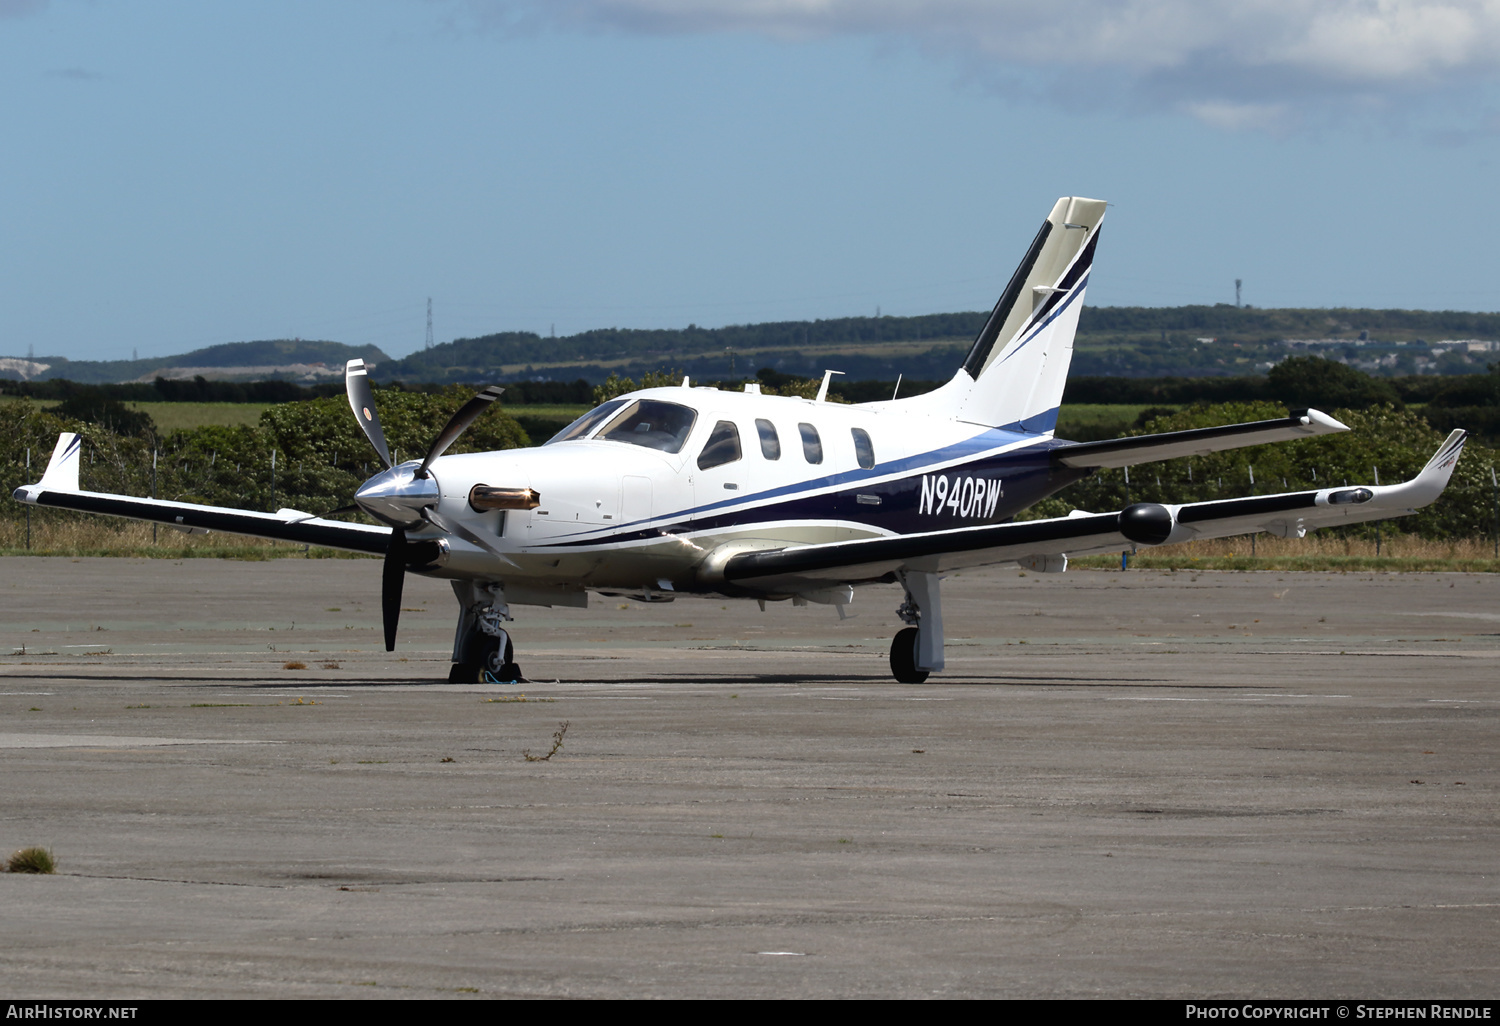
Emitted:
<point x="482" y="647"/>
<point x="917" y="650"/>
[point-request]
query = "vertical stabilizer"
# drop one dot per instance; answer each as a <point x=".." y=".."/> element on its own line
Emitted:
<point x="1014" y="373"/>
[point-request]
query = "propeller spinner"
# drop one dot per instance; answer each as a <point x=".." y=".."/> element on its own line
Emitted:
<point x="405" y="496"/>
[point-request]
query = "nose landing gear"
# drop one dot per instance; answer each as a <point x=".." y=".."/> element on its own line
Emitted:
<point x="482" y="648"/>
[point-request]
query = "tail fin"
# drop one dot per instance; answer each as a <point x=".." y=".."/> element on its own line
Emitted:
<point x="1015" y="371"/>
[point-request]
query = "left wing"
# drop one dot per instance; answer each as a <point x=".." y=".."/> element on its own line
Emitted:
<point x="1044" y="543"/>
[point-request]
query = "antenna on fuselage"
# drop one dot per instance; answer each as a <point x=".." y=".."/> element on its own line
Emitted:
<point x="898" y="385"/>
<point x="823" y="388"/>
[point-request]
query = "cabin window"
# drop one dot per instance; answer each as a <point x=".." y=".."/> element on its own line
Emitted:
<point x="770" y="441"/>
<point x="862" y="447"/>
<point x="590" y="420"/>
<point x="723" y="446"/>
<point x="812" y="445"/>
<point x="653" y="424"/>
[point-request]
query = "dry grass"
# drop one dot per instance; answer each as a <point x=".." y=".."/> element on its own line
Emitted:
<point x="183" y="416"/>
<point x="294" y="665"/>
<point x="31" y="860"/>
<point x="110" y="537"/>
<point x="1315" y="552"/>
<point x="186" y="416"/>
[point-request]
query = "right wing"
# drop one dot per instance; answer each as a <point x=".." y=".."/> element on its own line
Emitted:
<point x="1048" y="542"/>
<point x="59" y="488"/>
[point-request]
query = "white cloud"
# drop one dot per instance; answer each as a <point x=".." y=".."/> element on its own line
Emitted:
<point x="1230" y="62"/>
<point x="1266" y="117"/>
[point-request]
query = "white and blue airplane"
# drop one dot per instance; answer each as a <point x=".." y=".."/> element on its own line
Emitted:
<point x="696" y="491"/>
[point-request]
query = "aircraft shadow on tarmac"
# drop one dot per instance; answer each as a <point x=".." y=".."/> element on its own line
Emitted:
<point x="701" y="679"/>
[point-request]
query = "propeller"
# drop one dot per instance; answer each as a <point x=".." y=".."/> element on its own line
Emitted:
<point x="459" y="423"/>
<point x="362" y="402"/>
<point x="392" y="580"/>
<point x="405" y="497"/>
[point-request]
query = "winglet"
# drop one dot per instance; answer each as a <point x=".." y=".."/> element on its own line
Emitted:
<point x="61" y="474"/>
<point x="1429" y="484"/>
<point x="1444" y="460"/>
<point x="1422" y="490"/>
<point x="62" y="470"/>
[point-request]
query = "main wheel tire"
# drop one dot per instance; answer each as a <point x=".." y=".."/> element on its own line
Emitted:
<point x="904" y="657"/>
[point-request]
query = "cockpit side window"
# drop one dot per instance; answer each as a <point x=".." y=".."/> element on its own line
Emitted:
<point x="723" y="446"/>
<point x="812" y="445"/>
<point x="864" y="449"/>
<point x="653" y="424"/>
<point x="770" y="441"/>
<point x="583" y="425"/>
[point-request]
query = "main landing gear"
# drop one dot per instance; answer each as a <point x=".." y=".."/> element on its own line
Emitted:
<point x="917" y="650"/>
<point x="481" y="645"/>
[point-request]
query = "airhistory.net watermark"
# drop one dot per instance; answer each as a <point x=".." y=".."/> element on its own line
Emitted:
<point x="1299" y="1010"/>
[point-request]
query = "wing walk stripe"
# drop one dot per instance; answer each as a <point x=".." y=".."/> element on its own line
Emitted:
<point x="1227" y="509"/>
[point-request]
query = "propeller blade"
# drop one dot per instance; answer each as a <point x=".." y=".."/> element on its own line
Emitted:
<point x="459" y="423"/>
<point x="442" y="523"/>
<point x="362" y="402"/>
<point x="392" y="578"/>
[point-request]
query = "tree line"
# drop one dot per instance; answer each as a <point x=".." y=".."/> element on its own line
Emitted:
<point x="310" y="455"/>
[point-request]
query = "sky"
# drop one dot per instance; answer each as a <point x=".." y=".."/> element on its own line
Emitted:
<point x="179" y="174"/>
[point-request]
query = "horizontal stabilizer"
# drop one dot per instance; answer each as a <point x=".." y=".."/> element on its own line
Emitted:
<point x="1127" y="452"/>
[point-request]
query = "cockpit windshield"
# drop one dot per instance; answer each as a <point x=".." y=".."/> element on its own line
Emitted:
<point x="590" y="420"/>
<point x="652" y="423"/>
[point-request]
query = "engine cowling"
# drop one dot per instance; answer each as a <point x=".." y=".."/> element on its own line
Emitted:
<point x="1147" y="523"/>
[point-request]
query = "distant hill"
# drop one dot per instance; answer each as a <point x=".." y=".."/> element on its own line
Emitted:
<point x="303" y="360"/>
<point x="877" y="347"/>
<point x="1184" y="341"/>
<point x="1189" y="341"/>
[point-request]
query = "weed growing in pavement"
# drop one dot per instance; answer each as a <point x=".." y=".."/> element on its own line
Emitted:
<point x="557" y="742"/>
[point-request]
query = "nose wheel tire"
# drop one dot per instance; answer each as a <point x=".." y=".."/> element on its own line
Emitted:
<point x="494" y="659"/>
<point x="904" y="657"/>
<point x="497" y="658"/>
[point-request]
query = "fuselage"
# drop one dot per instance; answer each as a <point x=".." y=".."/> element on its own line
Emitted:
<point x="641" y="492"/>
